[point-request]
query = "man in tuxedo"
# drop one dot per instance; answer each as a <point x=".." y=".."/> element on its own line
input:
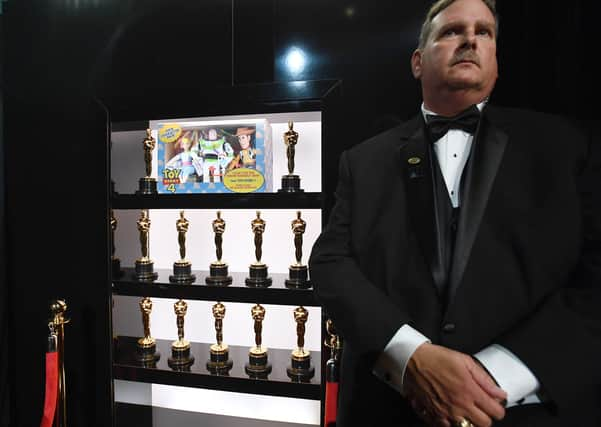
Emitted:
<point x="464" y="272"/>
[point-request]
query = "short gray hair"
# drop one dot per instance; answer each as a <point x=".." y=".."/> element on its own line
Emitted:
<point x="441" y="5"/>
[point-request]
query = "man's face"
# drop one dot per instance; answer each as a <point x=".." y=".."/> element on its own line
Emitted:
<point x="461" y="51"/>
<point x="244" y="141"/>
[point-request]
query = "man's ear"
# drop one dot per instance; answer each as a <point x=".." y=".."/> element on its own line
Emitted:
<point x="416" y="64"/>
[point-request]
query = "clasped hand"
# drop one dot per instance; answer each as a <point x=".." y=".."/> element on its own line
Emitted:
<point x="445" y="386"/>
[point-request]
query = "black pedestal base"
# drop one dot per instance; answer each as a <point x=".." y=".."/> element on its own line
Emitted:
<point x="257" y="366"/>
<point x="219" y="363"/>
<point x="180" y="360"/>
<point x="290" y="184"/>
<point x="116" y="271"/>
<point x="300" y="370"/>
<point x="218" y="275"/>
<point x="145" y="271"/>
<point x="258" y="276"/>
<point x="297" y="277"/>
<point x="147" y="355"/>
<point x="182" y="273"/>
<point x="147" y="186"/>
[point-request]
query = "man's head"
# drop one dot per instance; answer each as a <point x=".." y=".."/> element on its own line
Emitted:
<point x="456" y="59"/>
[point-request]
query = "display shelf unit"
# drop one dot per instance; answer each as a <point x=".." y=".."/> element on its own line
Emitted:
<point x="277" y="382"/>
<point x="133" y="114"/>
<point x="277" y="293"/>
<point x="221" y="201"/>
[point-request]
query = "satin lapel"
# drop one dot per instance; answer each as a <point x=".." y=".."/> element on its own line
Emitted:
<point x="417" y="174"/>
<point x="487" y="152"/>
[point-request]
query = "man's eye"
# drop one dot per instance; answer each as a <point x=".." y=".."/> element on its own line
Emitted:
<point x="484" y="32"/>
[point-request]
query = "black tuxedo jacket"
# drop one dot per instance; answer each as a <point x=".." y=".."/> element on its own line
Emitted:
<point x="526" y="272"/>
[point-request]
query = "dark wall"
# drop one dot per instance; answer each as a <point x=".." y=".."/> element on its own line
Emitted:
<point x="5" y="409"/>
<point x="60" y="54"/>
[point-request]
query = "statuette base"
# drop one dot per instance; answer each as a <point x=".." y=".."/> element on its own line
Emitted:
<point x="218" y="275"/>
<point x="182" y="272"/>
<point x="147" y="185"/>
<point x="297" y="278"/>
<point x="116" y="271"/>
<point x="145" y="270"/>
<point x="300" y="369"/>
<point x="290" y="184"/>
<point x="219" y="353"/>
<point x="180" y="359"/>
<point x="258" y="276"/>
<point x="219" y="368"/>
<point x="147" y="353"/>
<point x="257" y="366"/>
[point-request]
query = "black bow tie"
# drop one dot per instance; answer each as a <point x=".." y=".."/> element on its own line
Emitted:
<point x="467" y="120"/>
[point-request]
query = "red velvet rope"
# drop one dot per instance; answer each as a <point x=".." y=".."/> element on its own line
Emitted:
<point x="331" y="404"/>
<point x="51" y="389"/>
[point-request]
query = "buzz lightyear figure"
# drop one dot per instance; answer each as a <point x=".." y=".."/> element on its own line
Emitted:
<point x="216" y="154"/>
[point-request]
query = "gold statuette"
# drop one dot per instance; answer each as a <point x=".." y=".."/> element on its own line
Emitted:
<point x="57" y="336"/>
<point x="146" y="308"/>
<point x="290" y="182"/>
<point x="219" y="363"/>
<point x="144" y="265"/>
<point x="148" y="184"/>
<point x="146" y="345"/>
<point x="182" y="269"/>
<point x="116" y="271"/>
<point x="257" y="366"/>
<point x="297" y="271"/>
<point x="258" y="275"/>
<point x="300" y="369"/>
<point x="333" y="342"/>
<point x="218" y="269"/>
<point x="180" y="349"/>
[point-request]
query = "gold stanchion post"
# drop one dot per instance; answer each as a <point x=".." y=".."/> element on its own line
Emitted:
<point x="58" y="309"/>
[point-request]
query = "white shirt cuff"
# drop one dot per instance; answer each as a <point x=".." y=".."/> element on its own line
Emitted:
<point x="511" y="374"/>
<point x="391" y="364"/>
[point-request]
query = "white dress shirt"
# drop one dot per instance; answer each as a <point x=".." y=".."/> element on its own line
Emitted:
<point x="512" y="375"/>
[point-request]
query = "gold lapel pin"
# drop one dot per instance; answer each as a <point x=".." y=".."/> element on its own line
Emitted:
<point x="414" y="160"/>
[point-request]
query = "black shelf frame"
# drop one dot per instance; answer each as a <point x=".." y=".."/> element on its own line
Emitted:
<point x="132" y="112"/>
<point x="219" y="201"/>
<point x="277" y="293"/>
<point x="277" y="383"/>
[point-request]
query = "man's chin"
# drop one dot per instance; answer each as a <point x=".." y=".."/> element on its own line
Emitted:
<point x="465" y="83"/>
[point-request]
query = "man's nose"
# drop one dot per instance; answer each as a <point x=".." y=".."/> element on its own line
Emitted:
<point x="469" y="40"/>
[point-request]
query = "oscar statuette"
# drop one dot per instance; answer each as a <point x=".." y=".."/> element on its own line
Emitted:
<point x="116" y="271"/>
<point x="300" y="369"/>
<point x="182" y="269"/>
<point x="146" y="346"/>
<point x="144" y="265"/>
<point x="290" y="182"/>
<point x="180" y="359"/>
<point x="218" y="270"/>
<point x="297" y="278"/>
<point x="257" y="366"/>
<point x="258" y="275"/>
<point x="148" y="184"/>
<point x="219" y="362"/>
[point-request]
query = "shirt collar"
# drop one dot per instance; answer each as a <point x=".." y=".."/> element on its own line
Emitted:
<point x="425" y="111"/>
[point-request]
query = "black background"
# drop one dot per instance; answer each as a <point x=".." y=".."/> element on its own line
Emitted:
<point x="58" y="55"/>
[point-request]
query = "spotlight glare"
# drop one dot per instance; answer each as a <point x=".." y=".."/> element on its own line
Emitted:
<point x="295" y="61"/>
